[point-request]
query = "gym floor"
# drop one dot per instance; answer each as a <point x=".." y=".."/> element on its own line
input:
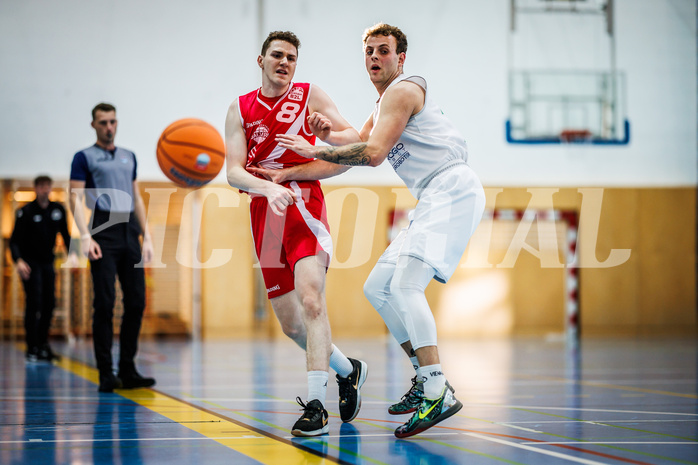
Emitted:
<point x="526" y="401"/>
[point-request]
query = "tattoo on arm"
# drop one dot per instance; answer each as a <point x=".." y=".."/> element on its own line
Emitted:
<point x="351" y="155"/>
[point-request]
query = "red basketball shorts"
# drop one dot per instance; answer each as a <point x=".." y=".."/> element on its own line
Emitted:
<point x="280" y="241"/>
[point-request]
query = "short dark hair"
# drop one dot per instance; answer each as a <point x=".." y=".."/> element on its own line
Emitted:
<point x="42" y="179"/>
<point x="382" y="29"/>
<point x="105" y="107"/>
<point x="286" y="36"/>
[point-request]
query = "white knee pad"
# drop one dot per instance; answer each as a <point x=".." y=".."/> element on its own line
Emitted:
<point x="377" y="291"/>
<point x="377" y="286"/>
<point x="407" y="287"/>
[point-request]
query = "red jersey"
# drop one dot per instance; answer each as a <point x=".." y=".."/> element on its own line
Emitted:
<point x="262" y="121"/>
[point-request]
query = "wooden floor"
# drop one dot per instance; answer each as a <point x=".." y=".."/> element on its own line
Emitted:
<point x="526" y="401"/>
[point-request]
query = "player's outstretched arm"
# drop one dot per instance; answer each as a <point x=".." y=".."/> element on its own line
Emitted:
<point x="279" y="197"/>
<point x="312" y="171"/>
<point x="316" y="169"/>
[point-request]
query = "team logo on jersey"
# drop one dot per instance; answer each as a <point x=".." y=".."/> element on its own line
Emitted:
<point x="202" y="161"/>
<point x="37" y="218"/>
<point x="296" y="94"/>
<point x="56" y="215"/>
<point x="260" y="134"/>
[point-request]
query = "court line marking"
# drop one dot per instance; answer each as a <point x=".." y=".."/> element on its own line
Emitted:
<point x="320" y="439"/>
<point x="575" y="442"/>
<point x="601" y="421"/>
<point x="530" y="430"/>
<point x="618" y="426"/>
<point x="611" y="442"/>
<point x="443" y="430"/>
<point x="534" y="449"/>
<point x="647" y="412"/>
<point x="263" y="446"/>
<point x="465" y="431"/>
<point x="635" y="389"/>
<point x="617" y="386"/>
<point x="374" y="423"/>
<point x="61" y="441"/>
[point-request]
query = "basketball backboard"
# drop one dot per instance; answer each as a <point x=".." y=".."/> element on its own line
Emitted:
<point x="563" y="83"/>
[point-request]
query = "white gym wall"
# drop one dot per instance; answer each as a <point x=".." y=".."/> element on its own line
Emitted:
<point x="162" y="60"/>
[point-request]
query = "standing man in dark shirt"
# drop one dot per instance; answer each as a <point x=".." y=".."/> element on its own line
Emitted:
<point x="104" y="176"/>
<point x="32" y="243"/>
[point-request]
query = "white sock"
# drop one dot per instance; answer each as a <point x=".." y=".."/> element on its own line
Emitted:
<point x="317" y="385"/>
<point x="415" y="363"/>
<point x="340" y="363"/>
<point x="435" y="380"/>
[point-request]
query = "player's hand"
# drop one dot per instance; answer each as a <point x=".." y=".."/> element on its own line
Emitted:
<point x="296" y="143"/>
<point x="275" y="176"/>
<point x="147" y="250"/>
<point x="23" y="269"/>
<point x="279" y="198"/>
<point x="320" y="125"/>
<point x="90" y="248"/>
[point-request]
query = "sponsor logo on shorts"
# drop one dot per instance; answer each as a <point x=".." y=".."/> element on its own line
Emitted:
<point x="274" y="288"/>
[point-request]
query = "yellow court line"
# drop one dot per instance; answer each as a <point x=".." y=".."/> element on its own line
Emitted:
<point x="254" y="444"/>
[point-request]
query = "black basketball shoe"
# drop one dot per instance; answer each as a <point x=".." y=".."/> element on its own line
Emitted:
<point x="350" y="390"/>
<point x="314" y="420"/>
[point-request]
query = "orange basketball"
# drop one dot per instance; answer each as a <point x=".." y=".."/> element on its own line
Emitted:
<point x="190" y="152"/>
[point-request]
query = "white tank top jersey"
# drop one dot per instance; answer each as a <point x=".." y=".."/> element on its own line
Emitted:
<point x="429" y="144"/>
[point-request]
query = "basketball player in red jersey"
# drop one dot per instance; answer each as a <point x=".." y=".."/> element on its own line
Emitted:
<point x="289" y="224"/>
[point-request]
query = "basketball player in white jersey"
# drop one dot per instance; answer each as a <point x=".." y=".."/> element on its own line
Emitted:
<point x="430" y="156"/>
<point x="289" y="225"/>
